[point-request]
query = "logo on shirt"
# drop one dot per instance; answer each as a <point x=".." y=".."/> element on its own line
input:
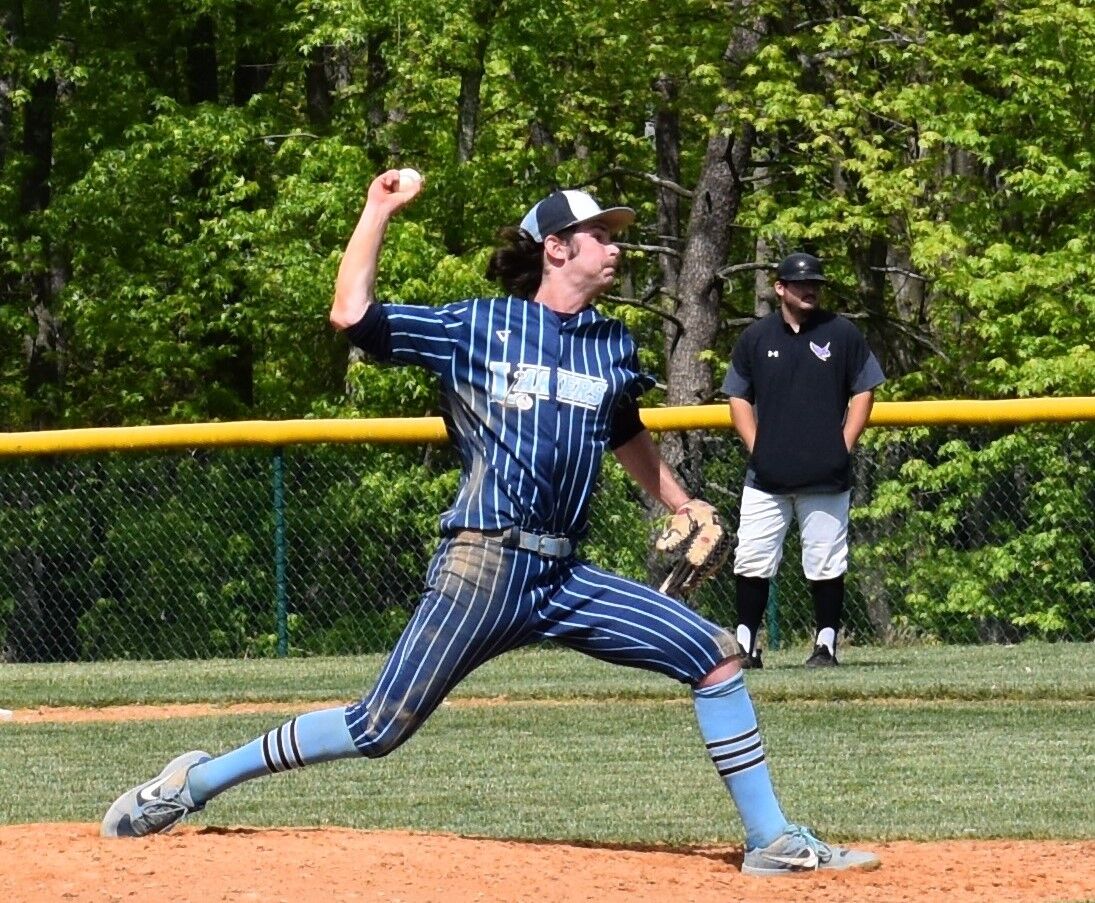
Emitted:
<point x="821" y="351"/>
<point x="773" y="353"/>
<point x="502" y="334"/>
<point x="530" y="382"/>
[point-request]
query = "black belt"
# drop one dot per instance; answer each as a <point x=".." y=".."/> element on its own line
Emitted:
<point x="543" y="544"/>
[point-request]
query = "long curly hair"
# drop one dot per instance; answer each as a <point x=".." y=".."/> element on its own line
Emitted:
<point x="518" y="263"/>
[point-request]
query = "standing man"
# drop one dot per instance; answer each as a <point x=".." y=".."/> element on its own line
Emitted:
<point x="536" y="384"/>
<point x="801" y="386"/>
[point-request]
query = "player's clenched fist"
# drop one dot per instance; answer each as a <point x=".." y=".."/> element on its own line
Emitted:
<point x="395" y="188"/>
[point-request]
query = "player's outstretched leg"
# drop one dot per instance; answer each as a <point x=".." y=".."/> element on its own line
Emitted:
<point x="156" y="805"/>
<point x="798" y="850"/>
<point x="372" y="727"/>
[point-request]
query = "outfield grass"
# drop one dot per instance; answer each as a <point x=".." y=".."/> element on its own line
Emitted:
<point x="916" y="743"/>
<point x="1061" y="671"/>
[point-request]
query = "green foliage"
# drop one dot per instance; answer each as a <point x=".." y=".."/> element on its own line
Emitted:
<point x="200" y="240"/>
<point x="364" y="522"/>
<point x="621" y="536"/>
<point x="974" y="567"/>
<point x="174" y="244"/>
<point x="174" y="556"/>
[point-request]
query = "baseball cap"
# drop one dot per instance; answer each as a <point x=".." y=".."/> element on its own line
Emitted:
<point x="800" y="267"/>
<point x="563" y="209"/>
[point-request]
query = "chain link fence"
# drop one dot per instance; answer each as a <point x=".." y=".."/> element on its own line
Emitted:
<point x="959" y="535"/>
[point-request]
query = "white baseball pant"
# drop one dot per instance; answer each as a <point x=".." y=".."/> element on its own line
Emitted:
<point x="765" y="518"/>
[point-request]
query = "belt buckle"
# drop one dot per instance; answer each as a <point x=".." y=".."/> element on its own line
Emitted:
<point x="553" y="546"/>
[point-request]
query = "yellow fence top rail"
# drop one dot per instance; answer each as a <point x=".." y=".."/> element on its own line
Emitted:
<point x="432" y="429"/>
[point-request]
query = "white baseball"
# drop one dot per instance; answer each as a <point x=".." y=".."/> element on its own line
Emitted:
<point x="407" y="178"/>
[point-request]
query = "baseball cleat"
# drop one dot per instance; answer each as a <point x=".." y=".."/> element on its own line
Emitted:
<point x="797" y="850"/>
<point x="752" y="661"/>
<point x="821" y="657"/>
<point x="156" y="805"/>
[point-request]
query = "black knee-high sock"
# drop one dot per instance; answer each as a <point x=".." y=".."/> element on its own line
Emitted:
<point x="752" y="593"/>
<point x="828" y="596"/>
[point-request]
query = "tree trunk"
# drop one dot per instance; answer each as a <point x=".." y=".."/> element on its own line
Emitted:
<point x="715" y="205"/>
<point x="318" y="93"/>
<point x="667" y="151"/>
<point x="540" y="136"/>
<point x="467" y="126"/>
<point x="764" y="289"/>
<point x="201" y="62"/>
<point x="377" y="77"/>
<point x="44" y="346"/>
<point x="714" y="210"/>
<point x="467" y="123"/>
<point x="254" y="62"/>
<point x="11" y="25"/>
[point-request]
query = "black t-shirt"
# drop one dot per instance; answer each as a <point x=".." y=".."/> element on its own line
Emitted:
<point x="800" y="384"/>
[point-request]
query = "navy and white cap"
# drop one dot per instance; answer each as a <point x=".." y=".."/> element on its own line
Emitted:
<point x="565" y="209"/>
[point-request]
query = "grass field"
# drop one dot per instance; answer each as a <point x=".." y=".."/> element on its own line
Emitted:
<point x="902" y="743"/>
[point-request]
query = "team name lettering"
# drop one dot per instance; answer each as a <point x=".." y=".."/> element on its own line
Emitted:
<point x="530" y="382"/>
<point x="581" y="390"/>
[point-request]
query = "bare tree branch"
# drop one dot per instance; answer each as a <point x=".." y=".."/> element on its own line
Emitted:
<point x="650" y="249"/>
<point x="903" y="272"/>
<point x="729" y="271"/>
<point x="904" y="328"/>
<point x="285" y="135"/>
<point x="645" y="176"/>
<point x="644" y="304"/>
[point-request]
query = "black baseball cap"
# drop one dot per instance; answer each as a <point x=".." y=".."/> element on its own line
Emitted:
<point x="565" y="209"/>
<point x="800" y="267"/>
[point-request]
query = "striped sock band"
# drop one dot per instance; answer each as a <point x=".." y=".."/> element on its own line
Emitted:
<point x="281" y="748"/>
<point x="737" y="754"/>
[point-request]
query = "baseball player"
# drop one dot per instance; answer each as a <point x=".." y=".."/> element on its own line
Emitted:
<point x="536" y="384"/>
<point x="811" y="377"/>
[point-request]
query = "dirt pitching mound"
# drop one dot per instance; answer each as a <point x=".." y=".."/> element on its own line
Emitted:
<point x="71" y="862"/>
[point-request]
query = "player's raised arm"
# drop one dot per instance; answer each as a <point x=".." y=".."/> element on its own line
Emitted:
<point x="388" y="193"/>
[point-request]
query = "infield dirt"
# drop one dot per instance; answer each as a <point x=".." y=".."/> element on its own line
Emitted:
<point x="70" y="862"/>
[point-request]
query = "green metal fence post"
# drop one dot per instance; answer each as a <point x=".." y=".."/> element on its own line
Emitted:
<point x="279" y="552"/>
<point x="771" y="615"/>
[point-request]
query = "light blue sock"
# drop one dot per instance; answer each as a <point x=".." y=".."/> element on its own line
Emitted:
<point x="728" y="724"/>
<point x="315" y="737"/>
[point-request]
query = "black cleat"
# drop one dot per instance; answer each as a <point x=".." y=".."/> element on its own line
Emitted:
<point x="752" y="660"/>
<point x="821" y="657"/>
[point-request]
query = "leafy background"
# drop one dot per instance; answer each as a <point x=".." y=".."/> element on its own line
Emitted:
<point x="177" y="182"/>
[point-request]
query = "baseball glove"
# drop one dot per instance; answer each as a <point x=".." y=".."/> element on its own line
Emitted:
<point x="695" y="534"/>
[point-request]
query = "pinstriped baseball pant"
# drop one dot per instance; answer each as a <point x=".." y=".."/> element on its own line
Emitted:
<point x="483" y="600"/>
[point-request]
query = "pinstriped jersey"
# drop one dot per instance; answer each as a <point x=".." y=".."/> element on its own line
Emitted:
<point x="528" y="397"/>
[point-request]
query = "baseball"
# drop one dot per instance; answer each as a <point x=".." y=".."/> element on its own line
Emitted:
<point x="407" y="178"/>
